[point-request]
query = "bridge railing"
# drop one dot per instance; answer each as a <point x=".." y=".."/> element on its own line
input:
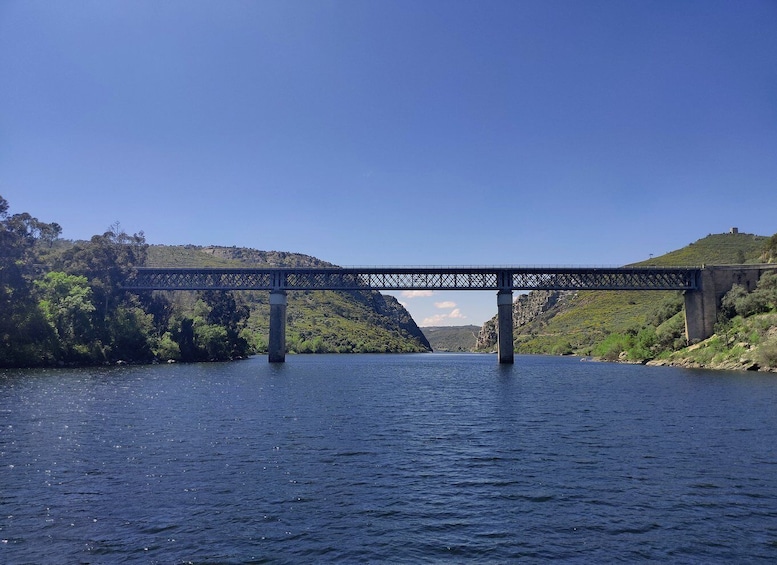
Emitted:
<point x="417" y="278"/>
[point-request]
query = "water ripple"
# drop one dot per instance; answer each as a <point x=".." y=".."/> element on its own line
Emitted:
<point x="387" y="459"/>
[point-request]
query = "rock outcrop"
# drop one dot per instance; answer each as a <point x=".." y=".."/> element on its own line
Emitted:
<point x="527" y="308"/>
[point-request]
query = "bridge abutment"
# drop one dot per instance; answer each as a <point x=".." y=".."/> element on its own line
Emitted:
<point x="504" y="327"/>
<point x="276" y="347"/>
<point x="701" y="308"/>
<point x="702" y="304"/>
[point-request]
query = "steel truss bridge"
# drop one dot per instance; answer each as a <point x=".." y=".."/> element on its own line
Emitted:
<point x="504" y="280"/>
<point x="417" y="278"/>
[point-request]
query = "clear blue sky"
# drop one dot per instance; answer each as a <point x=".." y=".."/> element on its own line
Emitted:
<point x="436" y="132"/>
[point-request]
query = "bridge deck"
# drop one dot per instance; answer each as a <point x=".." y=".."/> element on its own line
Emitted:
<point x="417" y="278"/>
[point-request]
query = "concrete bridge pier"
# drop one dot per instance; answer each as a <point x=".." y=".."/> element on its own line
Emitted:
<point x="504" y="326"/>
<point x="277" y="340"/>
<point x="702" y="305"/>
<point x="701" y="308"/>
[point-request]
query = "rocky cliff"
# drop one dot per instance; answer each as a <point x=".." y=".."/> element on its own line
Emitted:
<point x="528" y="309"/>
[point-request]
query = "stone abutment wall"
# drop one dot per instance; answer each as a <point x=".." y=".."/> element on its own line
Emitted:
<point x="702" y="305"/>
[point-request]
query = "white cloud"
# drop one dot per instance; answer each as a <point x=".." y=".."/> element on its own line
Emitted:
<point x="435" y="320"/>
<point x="441" y="319"/>
<point x="446" y="304"/>
<point x="416" y="293"/>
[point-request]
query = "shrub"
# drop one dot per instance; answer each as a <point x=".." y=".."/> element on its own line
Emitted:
<point x="612" y="346"/>
<point x="766" y="354"/>
<point x="562" y="347"/>
<point x="729" y="304"/>
<point x="644" y="345"/>
<point x="168" y="349"/>
<point x="738" y="301"/>
<point x="666" y="310"/>
<point x="767" y="290"/>
<point x="671" y="334"/>
<point x="213" y="340"/>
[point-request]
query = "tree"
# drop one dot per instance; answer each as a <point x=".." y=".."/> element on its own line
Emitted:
<point x="738" y="301"/>
<point x="131" y="333"/>
<point x="66" y="302"/>
<point x="184" y="335"/>
<point x="19" y="235"/>
<point x="106" y="261"/>
<point x="729" y="304"/>
<point x="224" y="311"/>
<point x="213" y="342"/>
<point x="25" y="336"/>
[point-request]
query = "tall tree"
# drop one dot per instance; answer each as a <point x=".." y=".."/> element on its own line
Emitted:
<point x="106" y="261"/>
<point x="25" y="336"/>
<point x="225" y="311"/>
<point x="66" y="302"/>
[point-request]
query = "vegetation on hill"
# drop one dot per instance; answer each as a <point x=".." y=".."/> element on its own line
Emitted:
<point x="61" y="302"/>
<point x="745" y="336"/>
<point x="452" y="338"/>
<point x="769" y="254"/>
<point x="631" y="326"/>
<point x="317" y="321"/>
<point x="715" y="249"/>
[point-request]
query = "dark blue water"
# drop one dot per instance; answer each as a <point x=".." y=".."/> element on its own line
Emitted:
<point x="408" y="458"/>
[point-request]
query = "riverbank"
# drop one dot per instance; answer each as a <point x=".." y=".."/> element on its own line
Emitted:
<point x="745" y="344"/>
<point x="688" y="363"/>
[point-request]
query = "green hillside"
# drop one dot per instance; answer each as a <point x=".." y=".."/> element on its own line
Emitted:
<point x="317" y="321"/>
<point x="62" y="303"/>
<point x="715" y="249"/>
<point x="581" y="322"/>
<point x="451" y="338"/>
<point x="194" y="256"/>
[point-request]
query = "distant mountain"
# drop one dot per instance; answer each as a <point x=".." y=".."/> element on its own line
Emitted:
<point x="452" y="338"/>
<point x="317" y="321"/>
<point x="567" y="322"/>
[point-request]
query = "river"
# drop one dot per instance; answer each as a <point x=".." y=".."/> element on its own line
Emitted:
<point x="388" y="458"/>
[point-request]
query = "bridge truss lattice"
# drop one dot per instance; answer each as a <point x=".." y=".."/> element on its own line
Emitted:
<point x="417" y="278"/>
